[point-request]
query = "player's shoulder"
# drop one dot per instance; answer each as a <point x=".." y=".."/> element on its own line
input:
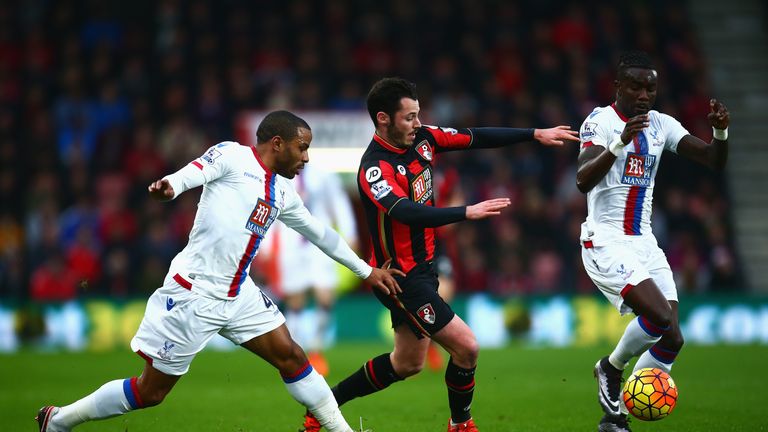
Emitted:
<point x="229" y="147"/>
<point x="601" y="114"/>
<point x="375" y="155"/>
<point x="221" y="153"/>
<point x="597" y="123"/>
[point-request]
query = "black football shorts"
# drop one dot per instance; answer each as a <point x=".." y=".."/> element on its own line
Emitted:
<point x="419" y="305"/>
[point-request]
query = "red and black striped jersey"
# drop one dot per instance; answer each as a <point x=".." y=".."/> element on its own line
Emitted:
<point x="387" y="176"/>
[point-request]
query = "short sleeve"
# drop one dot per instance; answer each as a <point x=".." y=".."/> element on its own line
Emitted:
<point x="594" y="131"/>
<point x="215" y="162"/>
<point x="673" y="132"/>
<point x="377" y="182"/>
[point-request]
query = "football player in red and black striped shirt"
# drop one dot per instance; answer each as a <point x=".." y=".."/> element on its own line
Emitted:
<point x="395" y="184"/>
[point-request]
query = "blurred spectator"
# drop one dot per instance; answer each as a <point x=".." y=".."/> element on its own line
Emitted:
<point x="95" y="104"/>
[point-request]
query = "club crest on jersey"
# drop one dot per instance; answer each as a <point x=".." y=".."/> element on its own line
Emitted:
<point x="657" y="141"/>
<point x="261" y="218"/>
<point x="165" y="352"/>
<point x="211" y="155"/>
<point x="421" y="186"/>
<point x="427" y="314"/>
<point x="425" y="150"/>
<point x="638" y="169"/>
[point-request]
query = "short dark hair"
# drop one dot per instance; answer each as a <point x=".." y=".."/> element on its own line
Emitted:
<point x="284" y="124"/>
<point x="385" y="96"/>
<point x="633" y="59"/>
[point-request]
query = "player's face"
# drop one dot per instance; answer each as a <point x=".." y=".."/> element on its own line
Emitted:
<point x="295" y="154"/>
<point x="401" y="130"/>
<point x="636" y="91"/>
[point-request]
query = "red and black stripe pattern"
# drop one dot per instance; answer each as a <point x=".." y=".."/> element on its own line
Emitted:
<point x="389" y="174"/>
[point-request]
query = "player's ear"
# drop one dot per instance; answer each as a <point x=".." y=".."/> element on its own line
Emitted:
<point x="382" y="118"/>
<point x="277" y="143"/>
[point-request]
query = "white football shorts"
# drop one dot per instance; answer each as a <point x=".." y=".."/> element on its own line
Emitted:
<point x="178" y="323"/>
<point x="626" y="262"/>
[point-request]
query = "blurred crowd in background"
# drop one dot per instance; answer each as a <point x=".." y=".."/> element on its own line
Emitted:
<point x="98" y="99"/>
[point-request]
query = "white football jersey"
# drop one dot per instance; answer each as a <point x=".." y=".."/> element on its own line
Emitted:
<point x="621" y="203"/>
<point x="241" y="199"/>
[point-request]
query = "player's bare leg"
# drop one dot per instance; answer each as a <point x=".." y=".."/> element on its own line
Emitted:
<point x="113" y="398"/>
<point x="663" y="354"/>
<point x="409" y="353"/>
<point x="457" y="338"/>
<point x="302" y="381"/>
<point x="654" y="317"/>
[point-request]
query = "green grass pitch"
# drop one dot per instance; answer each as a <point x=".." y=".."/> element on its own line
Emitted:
<point x="518" y="389"/>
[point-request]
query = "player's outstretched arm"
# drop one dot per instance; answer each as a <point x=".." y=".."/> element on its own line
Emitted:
<point x="487" y="208"/>
<point x="161" y="190"/>
<point x="556" y="136"/>
<point x="381" y="279"/>
<point x="715" y="153"/>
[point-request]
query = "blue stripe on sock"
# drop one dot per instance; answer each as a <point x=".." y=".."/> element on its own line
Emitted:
<point x="663" y="355"/>
<point x="647" y="329"/>
<point x="303" y="373"/>
<point x="129" y="394"/>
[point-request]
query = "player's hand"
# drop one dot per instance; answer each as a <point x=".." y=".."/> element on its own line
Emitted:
<point x="381" y="279"/>
<point x="633" y="127"/>
<point x="718" y="115"/>
<point x="487" y="208"/>
<point x="555" y="136"/>
<point x="161" y="190"/>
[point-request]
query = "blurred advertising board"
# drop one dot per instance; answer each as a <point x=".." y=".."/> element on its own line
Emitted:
<point x="99" y="325"/>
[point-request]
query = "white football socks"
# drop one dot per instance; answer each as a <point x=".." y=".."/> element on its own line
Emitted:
<point x="639" y="335"/>
<point x="310" y="389"/>
<point x="108" y="401"/>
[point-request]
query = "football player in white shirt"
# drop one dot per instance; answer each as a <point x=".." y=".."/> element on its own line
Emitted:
<point x="208" y="290"/>
<point x="621" y="147"/>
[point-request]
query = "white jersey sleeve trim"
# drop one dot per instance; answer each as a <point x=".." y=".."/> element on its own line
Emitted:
<point x="674" y="132"/>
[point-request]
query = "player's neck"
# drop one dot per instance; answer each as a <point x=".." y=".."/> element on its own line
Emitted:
<point x="622" y="111"/>
<point x="265" y="157"/>
<point x="384" y="137"/>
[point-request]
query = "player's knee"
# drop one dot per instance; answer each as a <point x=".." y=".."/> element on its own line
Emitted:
<point x="412" y="368"/>
<point x="662" y="317"/>
<point x="293" y="360"/>
<point x="468" y="353"/>
<point x="408" y="367"/>
<point x="674" y="340"/>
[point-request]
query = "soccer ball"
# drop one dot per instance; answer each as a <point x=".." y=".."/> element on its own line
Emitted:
<point x="650" y="394"/>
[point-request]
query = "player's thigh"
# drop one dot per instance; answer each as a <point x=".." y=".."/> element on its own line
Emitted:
<point x="456" y="335"/>
<point x="253" y="314"/>
<point x="419" y="306"/>
<point x="615" y="269"/>
<point x="278" y="349"/>
<point x="177" y="324"/>
<point x="410" y="350"/>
